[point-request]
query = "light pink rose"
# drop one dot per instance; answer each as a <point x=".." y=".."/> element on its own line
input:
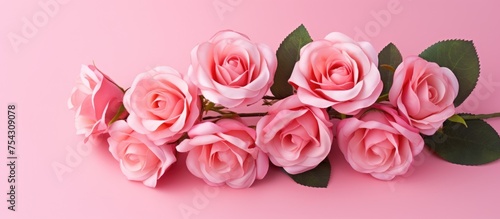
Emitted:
<point x="162" y="105"/>
<point x="224" y="153"/>
<point x="424" y="92"/>
<point x="96" y="100"/>
<point x="337" y="72"/>
<point x="231" y="70"/>
<point x="140" y="159"/>
<point x="295" y="136"/>
<point x="379" y="141"/>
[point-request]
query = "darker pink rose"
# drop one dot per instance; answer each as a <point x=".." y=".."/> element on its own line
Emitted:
<point x="162" y="104"/>
<point x="379" y="141"/>
<point x="231" y="70"/>
<point x="96" y="100"/>
<point x="295" y="136"/>
<point x="337" y="72"/>
<point x="424" y="92"/>
<point x="224" y="153"/>
<point x="140" y="158"/>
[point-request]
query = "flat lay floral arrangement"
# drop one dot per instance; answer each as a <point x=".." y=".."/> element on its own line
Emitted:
<point x="381" y="110"/>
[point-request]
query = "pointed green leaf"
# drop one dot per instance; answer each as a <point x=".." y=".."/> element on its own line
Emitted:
<point x="459" y="56"/>
<point x="388" y="60"/>
<point x="476" y="144"/>
<point x="317" y="177"/>
<point x="458" y="119"/>
<point x="288" y="54"/>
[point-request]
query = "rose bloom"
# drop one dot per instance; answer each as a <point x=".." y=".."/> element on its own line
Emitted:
<point x="224" y="153"/>
<point x="295" y="136"/>
<point x="379" y="141"/>
<point x="162" y="105"/>
<point x="140" y="159"/>
<point x="337" y="72"/>
<point x="96" y="100"/>
<point x="424" y="92"/>
<point x="231" y="70"/>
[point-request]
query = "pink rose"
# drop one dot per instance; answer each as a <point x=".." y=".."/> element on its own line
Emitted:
<point x="379" y="141"/>
<point x="424" y="92"/>
<point x="140" y="159"/>
<point x="295" y="136"/>
<point x="337" y="72"/>
<point x="224" y="153"/>
<point x="231" y="70"/>
<point x="162" y="105"/>
<point x="96" y="100"/>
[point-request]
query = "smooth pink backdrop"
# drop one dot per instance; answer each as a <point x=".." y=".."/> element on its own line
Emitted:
<point x="126" y="38"/>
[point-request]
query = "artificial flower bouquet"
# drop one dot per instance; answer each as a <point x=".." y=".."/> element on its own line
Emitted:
<point x="381" y="110"/>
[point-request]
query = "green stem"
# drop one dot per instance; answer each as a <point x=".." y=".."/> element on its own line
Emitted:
<point x="480" y="116"/>
<point x="234" y="115"/>
<point x="118" y="114"/>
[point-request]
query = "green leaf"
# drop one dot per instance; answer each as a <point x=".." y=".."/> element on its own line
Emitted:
<point x="288" y="54"/>
<point x="317" y="177"/>
<point x="476" y="144"/>
<point x="458" y="119"/>
<point x="388" y="60"/>
<point x="459" y="56"/>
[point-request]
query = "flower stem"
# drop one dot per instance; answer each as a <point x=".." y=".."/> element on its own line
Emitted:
<point x="232" y="115"/>
<point x="118" y="114"/>
<point x="480" y="116"/>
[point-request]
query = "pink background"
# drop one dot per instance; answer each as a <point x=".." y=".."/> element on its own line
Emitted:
<point x="125" y="39"/>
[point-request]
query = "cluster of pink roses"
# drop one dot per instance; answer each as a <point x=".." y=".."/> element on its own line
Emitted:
<point x="380" y="138"/>
<point x="161" y="113"/>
